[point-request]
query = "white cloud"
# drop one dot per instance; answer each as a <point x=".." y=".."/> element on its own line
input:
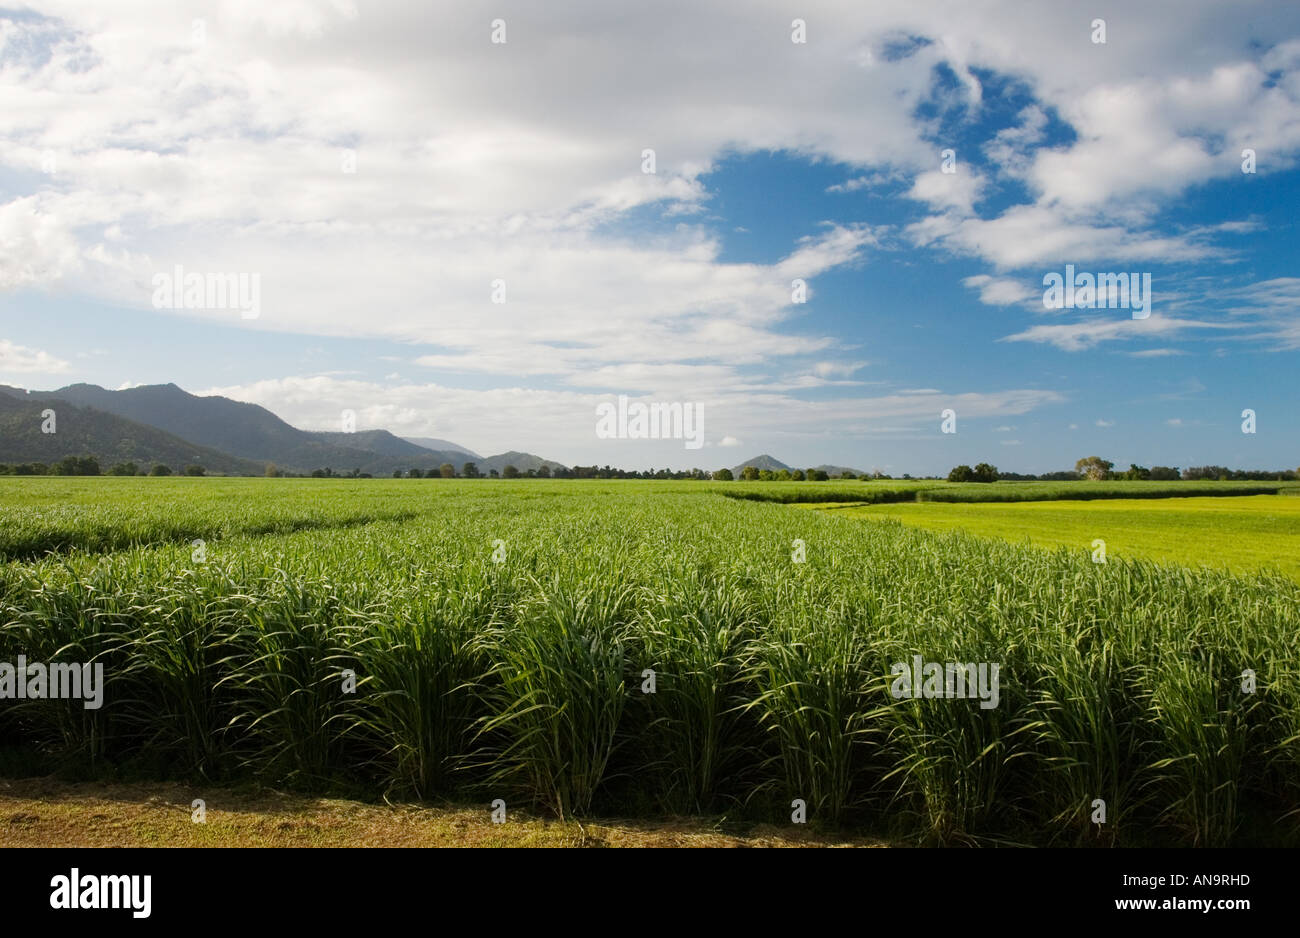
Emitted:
<point x="729" y="441"/>
<point x="522" y="162"/>
<point x="560" y="424"/>
<point x="1157" y="353"/>
<point x="1000" y="291"/>
<point x="1105" y="423"/>
<point x="1079" y="336"/>
<point x="957" y="191"/>
<point x="19" y="359"/>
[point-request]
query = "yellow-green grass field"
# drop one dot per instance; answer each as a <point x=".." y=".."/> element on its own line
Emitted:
<point x="1241" y="534"/>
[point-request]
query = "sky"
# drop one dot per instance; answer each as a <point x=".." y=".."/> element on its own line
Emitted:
<point x="842" y="237"/>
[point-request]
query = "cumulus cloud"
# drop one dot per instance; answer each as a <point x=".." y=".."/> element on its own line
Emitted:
<point x="19" y="359"/>
<point x="999" y="291"/>
<point x="382" y="165"/>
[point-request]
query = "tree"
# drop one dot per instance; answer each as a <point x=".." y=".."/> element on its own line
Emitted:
<point x="985" y="473"/>
<point x="1164" y="473"/>
<point x="415" y="474"/>
<point x="961" y="474"/>
<point x="543" y="472"/>
<point x="818" y="475"/>
<point x="192" y="470"/>
<point x="271" y="471"/>
<point x="749" y="474"/>
<point x="1093" y="468"/>
<point x="1137" y="472"/>
<point x="447" y="470"/>
<point x="723" y="475"/>
<point x="160" y="470"/>
<point x="797" y="476"/>
<point x="766" y="475"/>
<point x="470" y="471"/>
<point x="510" y="472"/>
<point x="124" y="469"/>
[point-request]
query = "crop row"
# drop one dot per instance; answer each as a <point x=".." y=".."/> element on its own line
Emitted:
<point x="501" y="648"/>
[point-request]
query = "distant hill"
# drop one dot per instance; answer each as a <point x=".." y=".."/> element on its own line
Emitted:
<point x="110" y="439"/>
<point x="761" y="462"/>
<point x="834" y="471"/>
<point x="771" y="462"/>
<point x="244" y="430"/>
<point x="388" y="452"/>
<point x="521" y="461"/>
<point x="441" y="446"/>
<point x="240" y="437"/>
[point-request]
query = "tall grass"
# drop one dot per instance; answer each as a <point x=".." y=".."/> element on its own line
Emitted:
<point x="524" y="679"/>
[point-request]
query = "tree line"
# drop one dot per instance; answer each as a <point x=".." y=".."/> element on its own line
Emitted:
<point x="89" y="466"/>
<point x="1092" y="468"/>
<point x="1096" y="469"/>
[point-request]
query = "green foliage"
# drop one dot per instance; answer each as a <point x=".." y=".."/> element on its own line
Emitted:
<point x="521" y="675"/>
<point x="76" y="466"/>
<point x="1094" y="468"/>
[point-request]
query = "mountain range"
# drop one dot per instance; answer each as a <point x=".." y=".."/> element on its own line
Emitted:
<point x="162" y="423"/>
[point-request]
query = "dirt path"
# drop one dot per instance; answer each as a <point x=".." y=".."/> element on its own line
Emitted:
<point x="45" y="812"/>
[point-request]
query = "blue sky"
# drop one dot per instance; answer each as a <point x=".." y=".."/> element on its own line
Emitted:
<point x="139" y="141"/>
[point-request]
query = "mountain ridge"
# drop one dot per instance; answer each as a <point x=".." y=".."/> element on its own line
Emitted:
<point x="222" y="434"/>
